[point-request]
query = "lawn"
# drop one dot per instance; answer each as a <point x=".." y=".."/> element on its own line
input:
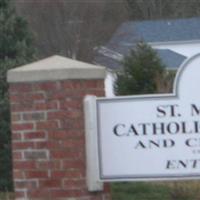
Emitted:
<point x="189" y="190"/>
<point x="6" y="196"/>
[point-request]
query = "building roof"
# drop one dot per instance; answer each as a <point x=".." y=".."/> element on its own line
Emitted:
<point x="107" y="62"/>
<point x="157" y="31"/>
<point x="171" y="59"/>
<point x="151" y="31"/>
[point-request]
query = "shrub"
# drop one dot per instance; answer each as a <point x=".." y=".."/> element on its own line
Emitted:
<point x="15" y="49"/>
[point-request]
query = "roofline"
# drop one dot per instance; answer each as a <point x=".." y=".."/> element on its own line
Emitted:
<point x="161" y="20"/>
<point x="174" y="42"/>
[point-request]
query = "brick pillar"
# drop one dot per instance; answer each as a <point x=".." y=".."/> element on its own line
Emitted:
<point x="48" y="141"/>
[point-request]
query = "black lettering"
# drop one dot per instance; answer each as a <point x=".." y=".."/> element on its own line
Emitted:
<point x="153" y="143"/>
<point x="184" y="128"/>
<point x="132" y="130"/>
<point x="144" y="128"/>
<point x="173" y="128"/>
<point x="181" y="163"/>
<point x="194" y="164"/>
<point x="168" y="143"/>
<point x="191" y="142"/>
<point x="161" y="111"/>
<point x="158" y="129"/>
<point x="118" y="130"/>
<point x="170" y="164"/>
<point x="140" y="145"/>
<point x="173" y="112"/>
<point x="194" y="110"/>
<point x="196" y="127"/>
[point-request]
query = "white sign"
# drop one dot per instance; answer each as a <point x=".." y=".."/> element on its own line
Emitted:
<point x="152" y="137"/>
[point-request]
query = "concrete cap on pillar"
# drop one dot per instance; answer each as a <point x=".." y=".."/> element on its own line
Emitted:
<point x="55" y="68"/>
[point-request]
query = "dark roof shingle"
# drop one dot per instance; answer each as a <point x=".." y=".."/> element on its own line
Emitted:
<point x="158" y="31"/>
<point x="171" y="59"/>
<point x="151" y="31"/>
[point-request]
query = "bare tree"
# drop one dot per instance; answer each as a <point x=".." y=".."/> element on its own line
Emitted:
<point x="151" y="9"/>
<point x="163" y="9"/>
<point x="72" y="28"/>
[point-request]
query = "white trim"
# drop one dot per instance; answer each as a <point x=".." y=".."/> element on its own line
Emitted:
<point x="55" y="68"/>
<point x="174" y="42"/>
<point x="92" y="164"/>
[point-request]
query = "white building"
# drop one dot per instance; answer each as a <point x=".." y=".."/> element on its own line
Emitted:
<point x="174" y="40"/>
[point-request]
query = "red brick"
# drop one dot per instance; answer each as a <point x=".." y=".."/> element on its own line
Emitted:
<point x="95" y="84"/>
<point x="36" y="174"/>
<point x="73" y="84"/>
<point x="20" y="88"/>
<point x="18" y="174"/>
<point x="69" y="193"/>
<point x="72" y="174"/>
<point x="61" y="135"/>
<point x="57" y="95"/>
<point x="107" y="187"/>
<point x="54" y="165"/>
<point x="47" y="86"/>
<point x="58" y="134"/>
<point x="47" y="125"/>
<point x="17" y="98"/>
<point x="36" y="116"/>
<point x="34" y="97"/>
<point x="63" y="94"/>
<point x="21" y="107"/>
<point x="35" y="135"/>
<point x="47" y="144"/>
<point x="35" y="155"/>
<point x="98" y="93"/>
<point x="66" y="134"/>
<point x="52" y="183"/>
<point x="100" y="196"/>
<point x="74" y="184"/>
<point x="71" y="103"/>
<point x="24" y="165"/>
<point x="14" y="98"/>
<point x="57" y="115"/>
<point x="42" y="194"/>
<point x="72" y="143"/>
<point x="16" y="136"/>
<point x="25" y="184"/>
<point x="15" y="117"/>
<point x="32" y="107"/>
<point x="21" y="127"/>
<point x="71" y="114"/>
<point x="61" y="154"/>
<point x="19" y="194"/>
<point x="71" y="124"/>
<point x="58" y="193"/>
<point x="52" y="105"/>
<point x="73" y="164"/>
<point x="22" y="145"/>
<point x="16" y="155"/>
<point x="74" y="114"/>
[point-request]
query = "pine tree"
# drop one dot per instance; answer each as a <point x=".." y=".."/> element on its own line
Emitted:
<point x="15" y="50"/>
<point x="140" y="71"/>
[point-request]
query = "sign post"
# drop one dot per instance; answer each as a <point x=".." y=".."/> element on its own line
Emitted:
<point x="151" y="137"/>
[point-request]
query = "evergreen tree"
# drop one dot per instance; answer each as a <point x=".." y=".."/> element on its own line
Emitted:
<point x="140" y="71"/>
<point x="15" y="50"/>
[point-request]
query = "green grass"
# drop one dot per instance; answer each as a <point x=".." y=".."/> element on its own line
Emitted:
<point x="139" y="191"/>
<point x="186" y="190"/>
<point x="6" y="196"/>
